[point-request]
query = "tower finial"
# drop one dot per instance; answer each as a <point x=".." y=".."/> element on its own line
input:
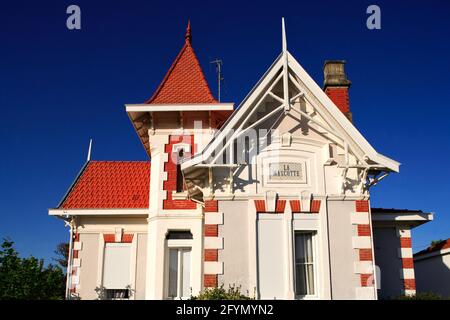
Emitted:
<point x="283" y="35"/>
<point x="89" y="150"/>
<point x="188" y="36"/>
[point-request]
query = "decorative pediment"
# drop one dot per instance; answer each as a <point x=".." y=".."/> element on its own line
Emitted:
<point x="287" y="93"/>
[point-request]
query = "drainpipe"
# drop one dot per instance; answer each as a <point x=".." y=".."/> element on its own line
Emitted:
<point x="69" y="223"/>
<point x="329" y="248"/>
<point x="374" y="266"/>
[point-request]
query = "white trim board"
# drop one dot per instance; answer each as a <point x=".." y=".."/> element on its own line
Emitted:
<point x="99" y="212"/>
<point x="178" y="107"/>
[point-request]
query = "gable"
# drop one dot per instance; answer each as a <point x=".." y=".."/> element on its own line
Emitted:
<point x="267" y="103"/>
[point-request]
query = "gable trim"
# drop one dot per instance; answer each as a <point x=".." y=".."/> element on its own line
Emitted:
<point x="340" y="121"/>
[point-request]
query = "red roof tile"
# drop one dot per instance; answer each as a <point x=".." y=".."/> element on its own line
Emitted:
<point x="185" y="81"/>
<point x="110" y="184"/>
<point x="445" y="244"/>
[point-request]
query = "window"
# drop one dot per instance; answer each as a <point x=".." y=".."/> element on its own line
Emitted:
<point x="179" y="235"/>
<point x="117" y="294"/>
<point x="179" y="284"/>
<point x="305" y="283"/>
<point x="116" y="270"/>
<point x="180" y="181"/>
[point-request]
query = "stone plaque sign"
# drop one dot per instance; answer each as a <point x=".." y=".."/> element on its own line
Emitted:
<point x="290" y="172"/>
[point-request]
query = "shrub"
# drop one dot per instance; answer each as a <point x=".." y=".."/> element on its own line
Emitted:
<point x="232" y="293"/>
<point x="422" y="296"/>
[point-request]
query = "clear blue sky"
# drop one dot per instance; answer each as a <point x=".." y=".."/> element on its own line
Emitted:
<point x="58" y="88"/>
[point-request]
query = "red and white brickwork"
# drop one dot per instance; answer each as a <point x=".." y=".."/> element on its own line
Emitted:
<point x="118" y="237"/>
<point x="362" y="242"/>
<point x="280" y="206"/>
<point x="406" y="255"/>
<point x="172" y="171"/>
<point x="74" y="280"/>
<point x="212" y="267"/>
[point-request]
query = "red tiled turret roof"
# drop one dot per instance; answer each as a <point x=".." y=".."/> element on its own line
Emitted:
<point x="110" y="184"/>
<point x="184" y="82"/>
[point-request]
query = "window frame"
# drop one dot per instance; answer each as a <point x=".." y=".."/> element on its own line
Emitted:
<point x="314" y="263"/>
<point x="180" y="245"/>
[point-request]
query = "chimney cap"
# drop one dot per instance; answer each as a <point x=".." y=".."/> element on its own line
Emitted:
<point x="335" y="62"/>
<point x="334" y="74"/>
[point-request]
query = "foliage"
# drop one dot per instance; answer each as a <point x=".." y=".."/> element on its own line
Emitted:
<point x="233" y="293"/>
<point x="62" y="254"/>
<point x="28" y="278"/>
<point x="436" y="242"/>
<point x="423" y="296"/>
<point x="102" y="293"/>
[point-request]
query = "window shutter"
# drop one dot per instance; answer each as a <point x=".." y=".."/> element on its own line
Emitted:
<point x="116" y="265"/>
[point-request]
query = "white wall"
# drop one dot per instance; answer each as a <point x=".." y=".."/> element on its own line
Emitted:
<point x="433" y="274"/>
<point x="141" y="265"/>
<point x="387" y="258"/>
<point x="235" y="253"/>
<point x="89" y="266"/>
<point x="342" y="255"/>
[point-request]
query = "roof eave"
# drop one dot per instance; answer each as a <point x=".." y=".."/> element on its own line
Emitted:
<point x="407" y="218"/>
<point x="61" y="212"/>
<point x="179" y="107"/>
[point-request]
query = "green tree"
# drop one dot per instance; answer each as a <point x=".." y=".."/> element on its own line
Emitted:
<point x="28" y="278"/>
<point x="62" y="254"/>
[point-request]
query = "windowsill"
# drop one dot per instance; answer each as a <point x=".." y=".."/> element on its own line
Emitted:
<point x="307" y="298"/>
<point x="179" y="195"/>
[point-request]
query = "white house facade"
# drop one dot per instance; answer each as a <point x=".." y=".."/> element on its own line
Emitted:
<point x="432" y="267"/>
<point x="272" y="196"/>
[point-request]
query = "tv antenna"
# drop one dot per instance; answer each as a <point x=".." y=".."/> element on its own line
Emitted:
<point x="218" y="63"/>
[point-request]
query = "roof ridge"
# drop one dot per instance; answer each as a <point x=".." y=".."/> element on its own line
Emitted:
<point x="166" y="77"/>
<point x="214" y="100"/>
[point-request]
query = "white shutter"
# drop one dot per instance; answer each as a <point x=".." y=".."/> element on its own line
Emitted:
<point x="186" y="273"/>
<point x="271" y="256"/>
<point x="116" y="265"/>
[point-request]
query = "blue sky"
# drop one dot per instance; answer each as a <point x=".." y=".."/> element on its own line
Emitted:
<point x="58" y="88"/>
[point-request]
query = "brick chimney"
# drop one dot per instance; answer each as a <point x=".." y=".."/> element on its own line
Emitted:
<point x="336" y="85"/>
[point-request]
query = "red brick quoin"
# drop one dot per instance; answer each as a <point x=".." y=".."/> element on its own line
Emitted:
<point x="171" y="168"/>
<point x="211" y="255"/>
<point x="211" y="230"/>
<point x="407" y="263"/>
<point x="362" y="205"/>
<point x="210" y="280"/>
<point x="211" y="206"/>
<point x="405" y="243"/>
<point x="410" y="284"/>
<point x="365" y="254"/>
<point x="366" y="280"/>
<point x="363" y="230"/>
